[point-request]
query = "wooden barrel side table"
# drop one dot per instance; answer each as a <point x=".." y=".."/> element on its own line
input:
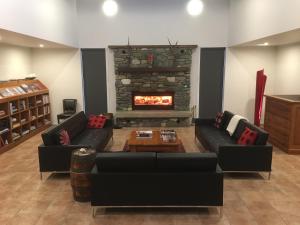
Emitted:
<point x="82" y="161"/>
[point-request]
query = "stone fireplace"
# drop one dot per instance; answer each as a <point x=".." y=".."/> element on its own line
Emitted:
<point x="152" y="78"/>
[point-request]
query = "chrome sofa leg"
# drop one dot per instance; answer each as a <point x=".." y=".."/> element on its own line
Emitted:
<point x="269" y="176"/>
<point x="221" y="211"/>
<point x="94" y="211"/>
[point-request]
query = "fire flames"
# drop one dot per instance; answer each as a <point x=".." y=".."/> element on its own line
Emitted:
<point x="153" y="100"/>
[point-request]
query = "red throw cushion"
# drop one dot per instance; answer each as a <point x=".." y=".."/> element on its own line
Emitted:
<point x="248" y="137"/>
<point x="218" y="120"/>
<point x="96" y="121"/>
<point x="64" y="138"/>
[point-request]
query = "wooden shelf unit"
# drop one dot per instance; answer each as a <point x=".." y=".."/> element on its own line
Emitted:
<point x="26" y="114"/>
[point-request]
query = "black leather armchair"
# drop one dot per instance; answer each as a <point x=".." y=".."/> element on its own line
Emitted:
<point x="69" y="109"/>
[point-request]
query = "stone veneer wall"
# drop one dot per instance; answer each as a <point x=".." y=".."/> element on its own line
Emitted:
<point x="179" y="82"/>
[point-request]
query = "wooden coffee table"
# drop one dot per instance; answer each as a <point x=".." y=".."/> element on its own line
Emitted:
<point x="154" y="144"/>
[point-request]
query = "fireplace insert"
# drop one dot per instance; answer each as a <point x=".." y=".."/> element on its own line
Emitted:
<point x="154" y="100"/>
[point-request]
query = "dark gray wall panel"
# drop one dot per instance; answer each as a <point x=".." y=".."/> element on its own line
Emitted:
<point x="211" y="82"/>
<point x="94" y="80"/>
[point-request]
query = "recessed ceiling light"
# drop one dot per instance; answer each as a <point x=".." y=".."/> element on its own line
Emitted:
<point x="110" y="8"/>
<point x="195" y="7"/>
<point x="263" y="44"/>
<point x="41" y="46"/>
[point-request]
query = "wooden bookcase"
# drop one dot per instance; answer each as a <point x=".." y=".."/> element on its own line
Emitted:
<point x="24" y="111"/>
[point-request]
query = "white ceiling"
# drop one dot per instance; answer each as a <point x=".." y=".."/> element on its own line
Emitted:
<point x="9" y="37"/>
<point x="290" y="37"/>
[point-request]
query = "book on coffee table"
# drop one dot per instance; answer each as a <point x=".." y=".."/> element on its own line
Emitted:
<point x="144" y="134"/>
<point x="168" y="135"/>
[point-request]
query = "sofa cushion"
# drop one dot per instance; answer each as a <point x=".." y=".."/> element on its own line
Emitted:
<point x="262" y="135"/>
<point x="63" y="137"/>
<point x="126" y="161"/>
<point x="248" y="137"/>
<point x="215" y="137"/>
<point x="186" y="162"/>
<point x="91" y="137"/>
<point x="218" y="120"/>
<point x="96" y="121"/>
<point x="73" y="125"/>
<point x="226" y="119"/>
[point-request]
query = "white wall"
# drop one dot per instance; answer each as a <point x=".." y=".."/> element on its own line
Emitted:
<point x="151" y="22"/>
<point x="288" y="70"/>
<point x="52" y="20"/>
<point x="60" y="71"/>
<point x="240" y="77"/>
<point x="255" y="19"/>
<point x="15" y="62"/>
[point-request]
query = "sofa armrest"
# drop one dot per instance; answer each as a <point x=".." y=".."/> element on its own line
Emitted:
<point x="245" y="157"/>
<point x="109" y="123"/>
<point x="56" y="157"/>
<point x="199" y="121"/>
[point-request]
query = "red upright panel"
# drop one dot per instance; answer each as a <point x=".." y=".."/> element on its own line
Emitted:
<point x="260" y="89"/>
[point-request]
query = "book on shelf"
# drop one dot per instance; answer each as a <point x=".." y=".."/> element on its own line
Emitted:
<point x="22" y="105"/>
<point x="45" y="99"/>
<point x="4" y="130"/>
<point x="15" y="125"/>
<point x="21" y="90"/>
<point x="13" y="108"/>
<point x="2" y="113"/>
<point x="144" y="134"/>
<point x="23" y="120"/>
<point x="25" y="132"/>
<point x="38" y="102"/>
<point x="15" y="136"/>
<point x="4" y="93"/>
<point x="25" y="88"/>
<point x="34" y="87"/>
<point x="46" y="110"/>
<point x="32" y="127"/>
<point x="2" y="143"/>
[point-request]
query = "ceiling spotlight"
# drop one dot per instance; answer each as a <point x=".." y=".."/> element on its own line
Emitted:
<point x="263" y="44"/>
<point x="110" y="8"/>
<point x="195" y="7"/>
<point x="41" y="45"/>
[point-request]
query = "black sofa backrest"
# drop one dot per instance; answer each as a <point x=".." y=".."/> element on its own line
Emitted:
<point x="74" y="125"/>
<point x="126" y="161"/>
<point x="262" y="134"/>
<point x="151" y="161"/>
<point x="186" y="161"/>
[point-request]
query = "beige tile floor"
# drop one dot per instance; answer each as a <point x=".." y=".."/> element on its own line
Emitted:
<point x="248" y="199"/>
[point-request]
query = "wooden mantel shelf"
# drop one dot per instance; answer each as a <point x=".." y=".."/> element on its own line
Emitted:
<point x="153" y="69"/>
<point x="151" y="46"/>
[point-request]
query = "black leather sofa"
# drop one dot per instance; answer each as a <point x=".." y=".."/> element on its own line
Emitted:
<point x="156" y="179"/>
<point x="56" y="157"/>
<point x="232" y="156"/>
